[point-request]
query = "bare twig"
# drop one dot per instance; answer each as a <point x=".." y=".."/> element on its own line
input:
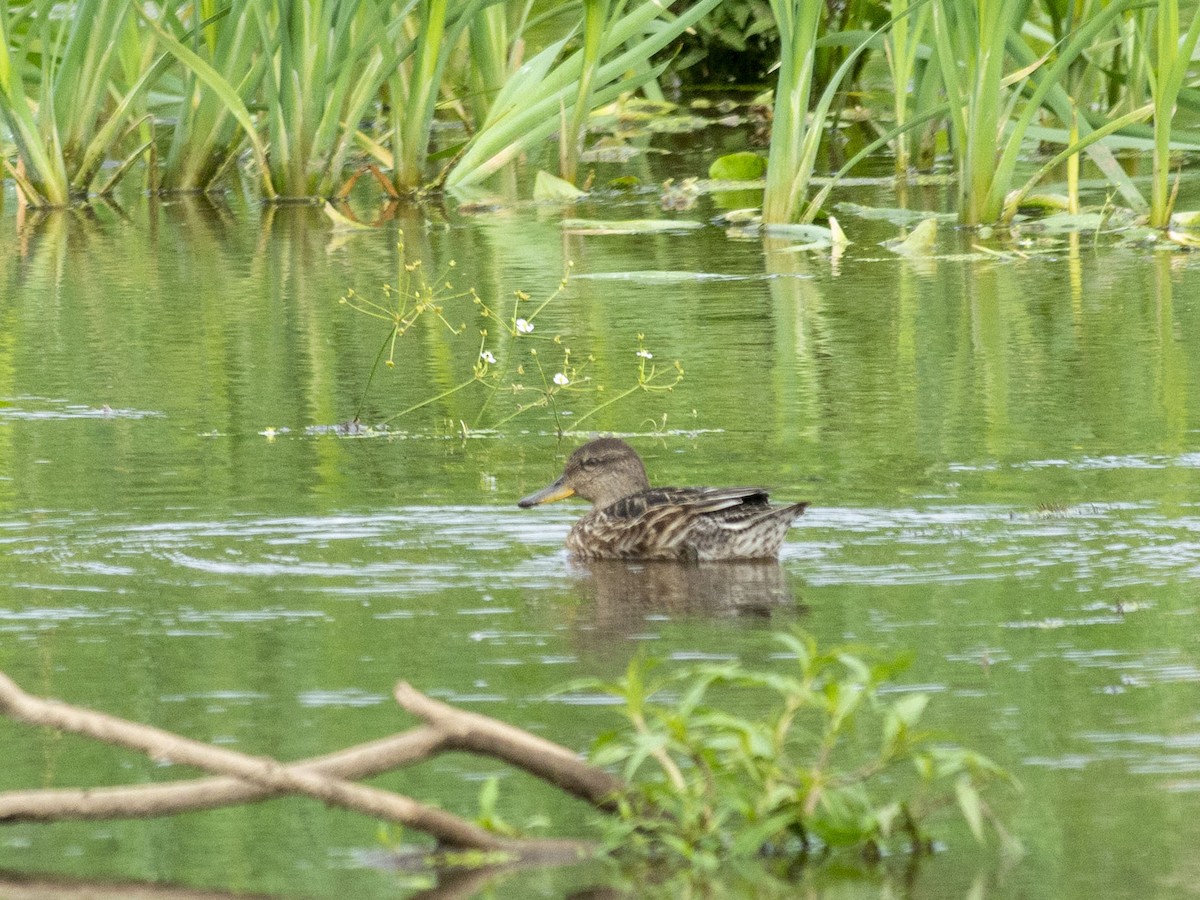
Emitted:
<point x="168" y="798"/>
<point x="267" y="773"/>
<point x="244" y="778"/>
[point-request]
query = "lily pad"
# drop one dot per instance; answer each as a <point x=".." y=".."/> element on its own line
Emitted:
<point x="1066" y="223"/>
<point x="896" y="216"/>
<point x="628" y="226"/>
<point x="743" y="166"/>
<point x="1045" y="202"/>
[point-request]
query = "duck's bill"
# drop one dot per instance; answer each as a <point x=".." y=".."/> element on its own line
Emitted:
<point x="556" y="491"/>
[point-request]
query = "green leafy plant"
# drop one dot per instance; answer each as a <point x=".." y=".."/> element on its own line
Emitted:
<point x="730" y="763"/>
<point x="512" y="367"/>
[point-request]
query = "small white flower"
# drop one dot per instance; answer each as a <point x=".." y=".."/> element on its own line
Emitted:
<point x="645" y="354"/>
<point x="524" y="327"/>
<point x="487" y="357"/>
<point x="561" y="379"/>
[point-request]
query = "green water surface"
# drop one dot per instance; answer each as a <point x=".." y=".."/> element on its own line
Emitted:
<point x="1002" y="455"/>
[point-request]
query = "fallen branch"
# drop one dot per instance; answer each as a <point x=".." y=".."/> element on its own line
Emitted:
<point x="488" y="737"/>
<point x="250" y="778"/>
<point x="169" y="798"/>
<point x="265" y="772"/>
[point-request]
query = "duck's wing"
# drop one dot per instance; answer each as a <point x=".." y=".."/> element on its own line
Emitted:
<point x="685" y="523"/>
<point x="689" y="502"/>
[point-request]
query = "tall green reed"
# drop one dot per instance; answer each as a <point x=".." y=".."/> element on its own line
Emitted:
<point x="570" y="145"/>
<point x="796" y="132"/>
<point x="989" y="115"/>
<point x="529" y="107"/>
<point x="325" y="73"/>
<point x="206" y="136"/>
<point x="902" y="45"/>
<point x="1168" y="65"/>
<point x="63" y="92"/>
<point x="414" y="90"/>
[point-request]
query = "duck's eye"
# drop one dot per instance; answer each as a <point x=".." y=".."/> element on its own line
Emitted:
<point x="588" y="463"/>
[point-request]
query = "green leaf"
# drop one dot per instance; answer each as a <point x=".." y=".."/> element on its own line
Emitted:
<point x="551" y="188"/>
<point x="920" y="242"/>
<point x="743" y="166"/>
<point x="627" y="226"/>
<point x="970" y="804"/>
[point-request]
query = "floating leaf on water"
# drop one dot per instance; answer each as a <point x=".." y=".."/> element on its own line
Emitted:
<point x="1045" y="203"/>
<point x="628" y="226"/>
<point x="1139" y="236"/>
<point x="549" y="187"/>
<point x="639" y="105"/>
<point x="676" y="124"/>
<point x="652" y="276"/>
<point x="893" y="214"/>
<point x="624" y="183"/>
<point x="802" y="232"/>
<point x="748" y="216"/>
<point x="342" y="222"/>
<point x="1183" y="239"/>
<point x="611" y="151"/>
<point x="744" y="166"/>
<point x="1186" y="219"/>
<point x="919" y="243"/>
<point x="1065" y="223"/>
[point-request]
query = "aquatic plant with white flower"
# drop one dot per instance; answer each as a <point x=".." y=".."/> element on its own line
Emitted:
<point x="496" y="372"/>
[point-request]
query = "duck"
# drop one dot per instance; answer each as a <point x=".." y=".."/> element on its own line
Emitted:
<point x="630" y="519"/>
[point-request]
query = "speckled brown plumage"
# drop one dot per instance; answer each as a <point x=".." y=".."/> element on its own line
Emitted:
<point x="631" y="520"/>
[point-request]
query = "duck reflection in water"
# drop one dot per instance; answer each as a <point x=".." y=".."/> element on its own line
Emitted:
<point x="620" y="596"/>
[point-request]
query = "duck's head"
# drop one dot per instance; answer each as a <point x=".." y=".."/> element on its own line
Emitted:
<point x="602" y="471"/>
